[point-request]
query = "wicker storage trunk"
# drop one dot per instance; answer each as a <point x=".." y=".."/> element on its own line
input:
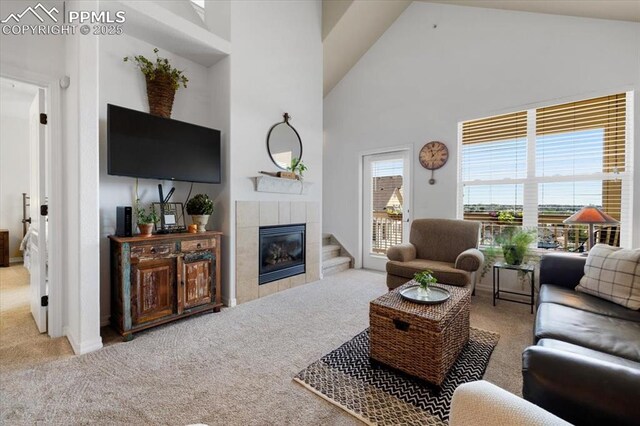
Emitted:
<point x="421" y="340"/>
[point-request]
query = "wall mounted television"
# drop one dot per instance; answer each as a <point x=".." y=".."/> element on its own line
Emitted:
<point x="146" y="146"/>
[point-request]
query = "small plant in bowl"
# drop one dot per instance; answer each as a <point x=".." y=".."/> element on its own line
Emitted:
<point x="145" y="219"/>
<point x="425" y="279"/>
<point x="200" y="207"/>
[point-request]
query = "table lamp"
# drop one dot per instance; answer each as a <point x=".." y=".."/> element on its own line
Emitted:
<point x="590" y="215"/>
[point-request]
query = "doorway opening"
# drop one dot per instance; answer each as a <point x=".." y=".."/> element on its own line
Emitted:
<point x="24" y="189"/>
<point x="386" y="200"/>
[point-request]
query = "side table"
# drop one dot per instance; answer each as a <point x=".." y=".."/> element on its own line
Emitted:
<point x="526" y="269"/>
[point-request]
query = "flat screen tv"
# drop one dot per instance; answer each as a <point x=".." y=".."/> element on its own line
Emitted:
<point x="145" y="146"/>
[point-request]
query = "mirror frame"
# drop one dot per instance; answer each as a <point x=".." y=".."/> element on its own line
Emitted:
<point x="286" y="117"/>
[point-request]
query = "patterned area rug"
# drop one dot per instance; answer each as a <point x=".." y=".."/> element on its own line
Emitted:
<point x="381" y="396"/>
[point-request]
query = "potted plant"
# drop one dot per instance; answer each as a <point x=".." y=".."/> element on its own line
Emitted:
<point x="200" y="207"/>
<point x="515" y="244"/>
<point x="297" y="167"/>
<point x="424" y="279"/>
<point x="145" y="220"/>
<point x="162" y="82"/>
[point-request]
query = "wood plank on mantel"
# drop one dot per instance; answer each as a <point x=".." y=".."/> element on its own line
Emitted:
<point x="281" y="186"/>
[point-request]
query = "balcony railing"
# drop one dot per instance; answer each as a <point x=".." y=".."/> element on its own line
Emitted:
<point x="553" y="234"/>
<point x="386" y="232"/>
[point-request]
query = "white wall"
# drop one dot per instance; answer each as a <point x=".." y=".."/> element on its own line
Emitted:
<point x="121" y="83"/>
<point x="276" y="67"/>
<point x="81" y="231"/>
<point x="14" y="164"/>
<point x="218" y="17"/>
<point x="417" y="82"/>
<point x="38" y="54"/>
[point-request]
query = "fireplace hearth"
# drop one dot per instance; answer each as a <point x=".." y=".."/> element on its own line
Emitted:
<point x="281" y="252"/>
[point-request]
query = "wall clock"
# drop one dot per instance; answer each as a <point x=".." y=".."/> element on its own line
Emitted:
<point x="433" y="156"/>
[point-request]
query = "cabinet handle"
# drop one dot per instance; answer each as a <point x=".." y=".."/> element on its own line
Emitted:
<point x="182" y="283"/>
<point x="199" y="245"/>
<point x="153" y="250"/>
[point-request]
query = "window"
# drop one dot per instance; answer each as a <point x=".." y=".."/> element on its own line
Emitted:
<point x="537" y="167"/>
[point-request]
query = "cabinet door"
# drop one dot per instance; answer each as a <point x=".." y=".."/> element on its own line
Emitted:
<point x="196" y="282"/>
<point x="152" y="290"/>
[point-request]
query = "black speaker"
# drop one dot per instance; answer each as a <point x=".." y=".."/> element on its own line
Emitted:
<point x="124" y="218"/>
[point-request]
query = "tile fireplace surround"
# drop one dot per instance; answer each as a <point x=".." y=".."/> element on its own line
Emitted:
<point x="250" y="216"/>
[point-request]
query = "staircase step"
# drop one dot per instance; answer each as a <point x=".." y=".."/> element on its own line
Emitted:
<point x="336" y="264"/>
<point x="326" y="239"/>
<point x="330" y="251"/>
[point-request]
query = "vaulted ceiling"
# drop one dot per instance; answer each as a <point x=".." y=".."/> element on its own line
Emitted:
<point x="351" y="27"/>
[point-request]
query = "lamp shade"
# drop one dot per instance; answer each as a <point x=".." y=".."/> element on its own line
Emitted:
<point x="592" y="215"/>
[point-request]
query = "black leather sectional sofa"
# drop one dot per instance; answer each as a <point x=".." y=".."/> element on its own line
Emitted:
<point x="585" y="365"/>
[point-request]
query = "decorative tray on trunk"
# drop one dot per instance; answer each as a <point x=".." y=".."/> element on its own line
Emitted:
<point x="433" y="296"/>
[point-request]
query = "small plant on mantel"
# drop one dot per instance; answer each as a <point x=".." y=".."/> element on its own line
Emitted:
<point x="297" y="166"/>
<point x="162" y="82"/>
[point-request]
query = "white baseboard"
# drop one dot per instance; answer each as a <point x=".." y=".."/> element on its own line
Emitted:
<point x="16" y="260"/>
<point x="82" y="347"/>
<point x="229" y="302"/>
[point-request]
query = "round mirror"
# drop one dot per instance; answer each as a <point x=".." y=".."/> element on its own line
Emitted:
<point x="284" y="144"/>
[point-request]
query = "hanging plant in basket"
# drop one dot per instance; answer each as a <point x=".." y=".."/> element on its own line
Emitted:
<point x="162" y="82"/>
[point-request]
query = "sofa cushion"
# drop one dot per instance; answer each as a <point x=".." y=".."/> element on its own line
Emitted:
<point x="612" y="273"/>
<point x="580" y="350"/>
<point x="585" y="302"/>
<point x="606" y="334"/>
<point x="443" y="271"/>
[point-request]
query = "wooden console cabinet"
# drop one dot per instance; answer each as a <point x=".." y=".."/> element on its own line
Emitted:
<point x="162" y="278"/>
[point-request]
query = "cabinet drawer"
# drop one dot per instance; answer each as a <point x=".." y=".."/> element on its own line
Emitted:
<point x="194" y="245"/>
<point x="152" y="250"/>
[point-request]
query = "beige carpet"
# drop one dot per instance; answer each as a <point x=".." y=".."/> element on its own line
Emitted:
<point x="231" y="368"/>
<point x="21" y="344"/>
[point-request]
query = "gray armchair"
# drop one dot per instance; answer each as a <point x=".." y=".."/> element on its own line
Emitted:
<point x="447" y="247"/>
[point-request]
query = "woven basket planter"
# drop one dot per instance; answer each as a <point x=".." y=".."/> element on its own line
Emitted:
<point x="161" y="93"/>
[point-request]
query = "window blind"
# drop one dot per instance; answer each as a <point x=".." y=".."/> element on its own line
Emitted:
<point x="547" y="163"/>
<point x="494" y="150"/>
<point x="579" y="139"/>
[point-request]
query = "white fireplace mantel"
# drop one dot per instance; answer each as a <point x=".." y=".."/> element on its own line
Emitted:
<point x="281" y="185"/>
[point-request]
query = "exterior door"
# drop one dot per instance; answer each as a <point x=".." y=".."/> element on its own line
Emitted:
<point x="37" y="250"/>
<point x="195" y="282"/>
<point x="152" y="289"/>
<point x="386" y="201"/>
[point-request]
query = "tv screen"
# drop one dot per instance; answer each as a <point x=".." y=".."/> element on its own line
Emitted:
<point x="145" y="146"/>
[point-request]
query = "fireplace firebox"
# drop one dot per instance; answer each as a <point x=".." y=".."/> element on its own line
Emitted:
<point x="282" y="252"/>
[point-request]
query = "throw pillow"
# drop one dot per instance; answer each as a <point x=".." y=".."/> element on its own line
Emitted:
<point x="613" y="274"/>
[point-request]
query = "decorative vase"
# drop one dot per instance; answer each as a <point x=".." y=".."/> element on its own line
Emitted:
<point x="146" y="229"/>
<point x="423" y="291"/>
<point x="201" y="220"/>
<point x="161" y="92"/>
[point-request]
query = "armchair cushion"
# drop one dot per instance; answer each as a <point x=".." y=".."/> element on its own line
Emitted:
<point x="443" y="239"/>
<point x="445" y="272"/>
<point x="402" y="252"/>
<point x="470" y="260"/>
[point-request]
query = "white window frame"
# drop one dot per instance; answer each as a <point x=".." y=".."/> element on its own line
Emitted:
<point x="531" y="182"/>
